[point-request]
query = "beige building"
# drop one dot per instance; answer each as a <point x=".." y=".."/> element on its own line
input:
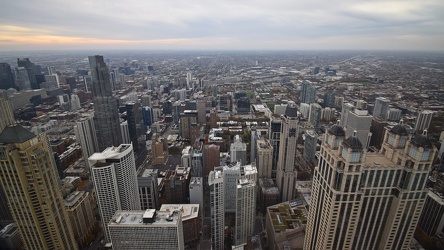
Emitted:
<point x="264" y="158"/>
<point x="363" y="200"/>
<point x="28" y="177"/>
<point x="190" y="214"/>
<point x="159" y="150"/>
<point x="80" y="206"/>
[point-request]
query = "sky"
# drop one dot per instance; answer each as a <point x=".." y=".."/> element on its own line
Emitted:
<point x="222" y="24"/>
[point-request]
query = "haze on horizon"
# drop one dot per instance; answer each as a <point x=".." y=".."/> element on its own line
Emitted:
<point x="222" y="25"/>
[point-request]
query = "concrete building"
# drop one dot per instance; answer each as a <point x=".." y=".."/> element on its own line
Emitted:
<point x="328" y="114"/>
<point x="174" y="187"/>
<point x="115" y="181"/>
<point x="264" y="158"/>
<point x="6" y="113"/>
<point x="423" y="120"/>
<point x="216" y="183"/>
<point x="304" y="109"/>
<point x="197" y="191"/>
<point x="311" y="140"/>
<point x="377" y="128"/>
<point x="80" y="207"/>
<point x="245" y="210"/>
<point x="359" y="121"/>
<point x="201" y="111"/>
<point x="286" y="172"/>
<point x="314" y="116"/>
<point x="275" y="140"/>
<point x="211" y="159"/>
<point x="30" y="71"/>
<point x="33" y="192"/>
<point x="146" y="229"/>
<point x="159" y="150"/>
<point x="329" y="99"/>
<point x="286" y="226"/>
<point x="191" y="220"/>
<point x="346" y="107"/>
<point x="381" y="108"/>
<point x="188" y="119"/>
<point x="85" y="132"/>
<point x="10" y="238"/>
<point x="368" y="195"/>
<point x="6" y="76"/>
<point x="268" y="194"/>
<point x="431" y="221"/>
<point x="308" y="92"/>
<point x="148" y="189"/>
<point x="238" y="151"/>
<point x="394" y="114"/>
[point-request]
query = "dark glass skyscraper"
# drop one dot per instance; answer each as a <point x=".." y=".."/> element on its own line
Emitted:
<point x="6" y="78"/>
<point x="30" y="69"/>
<point x="106" y="113"/>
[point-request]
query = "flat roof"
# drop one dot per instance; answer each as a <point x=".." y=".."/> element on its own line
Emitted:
<point x="135" y="218"/>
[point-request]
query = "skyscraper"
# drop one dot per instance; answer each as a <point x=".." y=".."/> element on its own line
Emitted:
<point x="346" y="107"/>
<point x="216" y="183"/>
<point x="6" y="76"/>
<point x="286" y="172"/>
<point x="275" y="140"/>
<point x="311" y="140"/>
<point x="148" y="189"/>
<point x="115" y="180"/>
<point x="308" y="93"/>
<point x="315" y="115"/>
<point x="364" y="200"/>
<point x="85" y="132"/>
<point x="245" y="210"/>
<point x="329" y="99"/>
<point x="238" y="151"/>
<point x="30" y="70"/>
<point x="106" y="114"/>
<point x="423" y="120"/>
<point x="381" y="108"/>
<point x="264" y="158"/>
<point x="28" y="177"/>
<point x="359" y="121"/>
<point x="211" y="159"/>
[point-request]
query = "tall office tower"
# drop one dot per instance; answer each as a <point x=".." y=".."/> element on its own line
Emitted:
<point x="187" y="119"/>
<point x="275" y="140"/>
<point x="359" y="121"/>
<point x="264" y="158"/>
<point x="286" y="172"/>
<point x="197" y="161"/>
<point x="381" y="108"/>
<point x="53" y="81"/>
<point x="346" y="107"/>
<point x="202" y="111"/>
<point x="22" y="77"/>
<point x="197" y="192"/>
<point x="159" y="149"/>
<point x="51" y="70"/>
<point x="311" y="140"/>
<point x="366" y="200"/>
<point x="6" y="113"/>
<point x="211" y="159"/>
<point x="30" y="69"/>
<point x="113" y="80"/>
<point x="308" y="93"/>
<point x="147" y="116"/>
<point x="245" y="211"/>
<point x="213" y="118"/>
<point x="431" y="221"/>
<point x="148" y="189"/>
<point x="329" y="99"/>
<point x="339" y="101"/>
<point x="305" y="110"/>
<point x="191" y="220"/>
<point x="106" y="113"/>
<point x="217" y="205"/>
<point x="124" y="129"/>
<point x="423" y="120"/>
<point x="394" y="114"/>
<point x="28" y="177"/>
<point x="6" y="76"/>
<point x="115" y="180"/>
<point x="85" y="132"/>
<point x="315" y="115"/>
<point x="136" y="130"/>
<point x="377" y="128"/>
<point x="238" y="151"/>
<point x="146" y="100"/>
<point x="122" y="80"/>
<point x="328" y="114"/>
<point x="75" y="103"/>
<point x="361" y="104"/>
<point x="79" y="206"/>
<point x="189" y="80"/>
<point x="88" y="83"/>
<point x="146" y="229"/>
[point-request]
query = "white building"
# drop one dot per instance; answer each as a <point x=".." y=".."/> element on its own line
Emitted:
<point x="216" y="183"/>
<point x="75" y="102"/>
<point x="238" y="151"/>
<point x="115" y="181"/>
<point x="245" y="210"/>
<point x="346" y="107"/>
<point x="359" y="121"/>
<point x="196" y="191"/>
<point x="125" y="132"/>
<point x="423" y="120"/>
<point x="146" y="229"/>
<point x="86" y="136"/>
<point x="381" y="108"/>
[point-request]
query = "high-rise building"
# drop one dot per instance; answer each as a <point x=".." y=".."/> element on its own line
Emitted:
<point x="238" y="151"/>
<point x="394" y="114"/>
<point x="275" y="140"/>
<point x="211" y="159"/>
<point x="115" y="181"/>
<point x="264" y="158"/>
<point x="315" y="115"/>
<point x="10" y="238"/>
<point x="30" y="70"/>
<point x="6" y="113"/>
<point x="85" y="132"/>
<point x="146" y="229"/>
<point x="213" y="118"/>
<point x="381" y="108"/>
<point x="175" y="185"/>
<point x="359" y="121"/>
<point x="377" y="129"/>
<point x="106" y="113"/>
<point x="217" y="206"/>
<point x="423" y="120"/>
<point x="328" y="114"/>
<point x="28" y="177"/>
<point x="286" y="172"/>
<point x="364" y="200"/>
<point x="148" y="189"/>
<point x="147" y="115"/>
<point x="22" y="77"/>
<point x="136" y="131"/>
<point x="6" y="76"/>
<point x="197" y="191"/>
<point x="308" y="93"/>
<point x="245" y="210"/>
<point x="311" y="140"/>
<point x="346" y="107"/>
<point x="431" y="221"/>
<point x="159" y="150"/>
<point x="190" y="214"/>
<point x="202" y="111"/>
<point x="329" y="99"/>
<point x="188" y="119"/>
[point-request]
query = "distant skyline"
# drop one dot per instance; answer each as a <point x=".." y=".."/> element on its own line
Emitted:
<point x="222" y="25"/>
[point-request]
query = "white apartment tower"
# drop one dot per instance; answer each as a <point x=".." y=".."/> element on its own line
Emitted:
<point x="216" y="183"/>
<point x="115" y="180"/>
<point x="286" y="171"/>
<point x="86" y="136"/>
<point x="381" y="108"/>
<point x="364" y="200"/>
<point x="245" y="210"/>
<point x="423" y="120"/>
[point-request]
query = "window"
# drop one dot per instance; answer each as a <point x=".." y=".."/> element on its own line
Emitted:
<point x="391" y="139"/>
<point x="412" y="152"/>
<point x="355" y="157"/>
<point x="425" y="155"/>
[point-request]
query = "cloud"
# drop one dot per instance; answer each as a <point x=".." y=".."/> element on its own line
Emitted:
<point x="240" y="22"/>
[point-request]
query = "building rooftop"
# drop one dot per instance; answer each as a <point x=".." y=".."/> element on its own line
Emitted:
<point x="73" y="198"/>
<point x="287" y="216"/>
<point x="15" y="134"/>
<point x="135" y="218"/>
<point x="188" y="211"/>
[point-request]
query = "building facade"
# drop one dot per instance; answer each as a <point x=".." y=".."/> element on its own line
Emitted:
<point x="264" y="158"/>
<point x="245" y="210"/>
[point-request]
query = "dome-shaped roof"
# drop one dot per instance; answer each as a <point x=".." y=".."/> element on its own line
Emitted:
<point x="422" y="141"/>
<point x="399" y="129"/>
<point x="353" y="142"/>
<point x="337" y="130"/>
